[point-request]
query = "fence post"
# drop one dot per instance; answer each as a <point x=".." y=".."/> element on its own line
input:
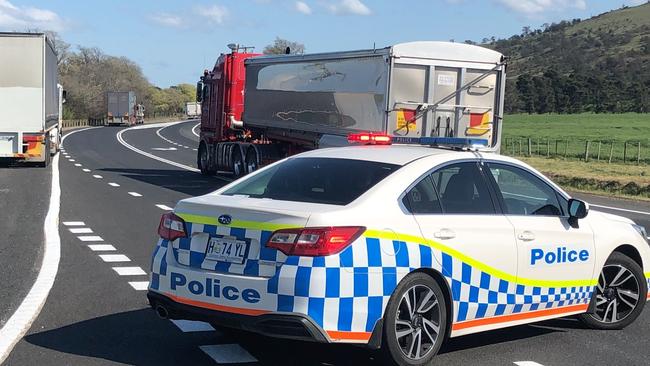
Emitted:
<point x="611" y="151"/>
<point x="555" y="147"/>
<point x="625" y="152"/>
<point x="587" y="151"/>
<point x="530" y="147"/>
<point x="638" y="154"/>
<point x="520" y="148"/>
<point x="538" y="146"/>
<point x="548" y="148"/>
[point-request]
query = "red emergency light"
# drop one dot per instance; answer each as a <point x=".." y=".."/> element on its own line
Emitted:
<point x="370" y="138"/>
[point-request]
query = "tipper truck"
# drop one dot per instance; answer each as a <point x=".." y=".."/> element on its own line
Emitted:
<point x="30" y="98"/>
<point x="295" y="103"/>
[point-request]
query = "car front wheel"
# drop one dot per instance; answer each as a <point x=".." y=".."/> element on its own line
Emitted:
<point x="415" y="323"/>
<point x="620" y="294"/>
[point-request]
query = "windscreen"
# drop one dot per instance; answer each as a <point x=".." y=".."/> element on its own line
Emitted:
<point x="315" y="180"/>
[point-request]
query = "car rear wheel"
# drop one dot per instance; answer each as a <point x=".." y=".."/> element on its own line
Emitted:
<point x="415" y="323"/>
<point x="620" y="294"/>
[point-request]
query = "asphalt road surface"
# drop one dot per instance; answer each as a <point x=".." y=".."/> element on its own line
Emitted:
<point x="115" y="184"/>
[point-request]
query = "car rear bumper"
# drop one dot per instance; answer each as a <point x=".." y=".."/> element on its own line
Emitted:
<point x="291" y="326"/>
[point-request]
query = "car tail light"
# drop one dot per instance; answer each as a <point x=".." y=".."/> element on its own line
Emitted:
<point x="370" y="138"/>
<point x="314" y="242"/>
<point x="171" y="227"/>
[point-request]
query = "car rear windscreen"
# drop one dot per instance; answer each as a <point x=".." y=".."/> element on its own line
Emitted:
<point x="315" y="180"/>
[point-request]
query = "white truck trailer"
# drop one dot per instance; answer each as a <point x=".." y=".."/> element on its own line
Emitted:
<point x="30" y="98"/>
<point x="193" y="109"/>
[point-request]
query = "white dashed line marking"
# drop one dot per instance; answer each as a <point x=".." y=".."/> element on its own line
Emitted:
<point x="114" y="258"/>
<point x="97" y="176"/>
<point x="129" y="271"/>
<point x="90" y="238"/>
<point x="195" y="149"/>
<point x="139" y="285"/>
<point x="188" y="326"/>
<point x="81" y="230"/>
<point x="228" y="353"/>
<point x="113" y="184"/>
<point x="86" y="170"/>
<point x="101" y="247"/>
<point x="135" y="194"/>
<point x="77" y="164"/>
<point x="71" y="160"/>
<point x="74" y="223"/>
<point x="164" y="207"/>
<point x="527" y="363"/>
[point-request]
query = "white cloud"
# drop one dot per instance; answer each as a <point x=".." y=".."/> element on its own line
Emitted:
<point x="19" y="18"/>
<point x="302" y="7"/>
<point x="347" y="7"/>
<point x="215" y="14"/>
<point x="168" y="20"/>
<point x="537" y="7"/>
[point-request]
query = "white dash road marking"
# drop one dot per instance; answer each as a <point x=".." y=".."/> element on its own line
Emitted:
<point x="86" y="170"/>
<point x="129" y="271"/>
<point x="97" y="176"/>
<point x="139" y="285"/>
<point x="164" y="207"/>
<point x="135" y="194"/>
<point x="114" y="258"/>
<point x="527" y="363"/>
<point x="74" y="223"/>
<point x="77" y="164"/>
<point x="164" y="148"/>
<point x="113" y="184"/>
<point x="228" y="353"/>
<point x="71" y="160"/>
<point x="90" y="238"/>
<point x="81" y="230"/>
<point x="101" y="247"/>
<point x="621" y="209"/>
<point x="188" y="326"/>
<point x="21" y="320"/>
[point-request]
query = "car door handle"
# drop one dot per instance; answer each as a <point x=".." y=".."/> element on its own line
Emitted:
<point x="526" y="236"/>
<point x="444" y="234"/>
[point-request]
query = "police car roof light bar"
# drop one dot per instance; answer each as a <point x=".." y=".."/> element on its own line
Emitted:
<point x="370" y="138"/>
<point x="448" y="142"/>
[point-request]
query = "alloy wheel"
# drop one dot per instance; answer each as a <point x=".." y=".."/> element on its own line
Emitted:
<point x="617" y="294"/>
<point x="417" y="322"/>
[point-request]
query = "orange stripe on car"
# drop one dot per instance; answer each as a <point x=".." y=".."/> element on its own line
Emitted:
<point x="348" y="336"/>
<point x="207" y="305"/>
<point x="519" y="316"/>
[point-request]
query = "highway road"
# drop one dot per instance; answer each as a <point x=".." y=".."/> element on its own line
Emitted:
<point x="115" y="183"/>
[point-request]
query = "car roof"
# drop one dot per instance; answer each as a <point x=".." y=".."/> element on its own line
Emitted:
<point x="390" y="154"/>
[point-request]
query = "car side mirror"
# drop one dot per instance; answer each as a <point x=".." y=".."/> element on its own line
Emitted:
<point x="577" y="210"/>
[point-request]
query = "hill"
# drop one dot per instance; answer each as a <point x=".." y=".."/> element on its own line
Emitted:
<point x="597" y="65"/>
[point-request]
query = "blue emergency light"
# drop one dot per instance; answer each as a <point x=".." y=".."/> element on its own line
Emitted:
<point x="453" y="142"/>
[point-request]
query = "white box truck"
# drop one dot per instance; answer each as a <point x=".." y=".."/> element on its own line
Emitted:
<point x="30" y="98"/>
<point x="193" y="109"/>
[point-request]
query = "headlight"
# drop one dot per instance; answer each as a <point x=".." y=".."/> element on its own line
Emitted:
<point x="641" y="230"/>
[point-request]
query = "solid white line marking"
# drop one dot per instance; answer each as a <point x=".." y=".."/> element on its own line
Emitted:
<point x="113" y="184"/>
<point x="74" y="223"/>
<point x="188" y="326"/>
<point x="77" y="164"/>
<point x="166" y="208"/>
<point x="86" y="170"/>
<point x="139" y="285"/>
<point x="97" y="176"/>
<point x="228" y="353"/>
<point x="101" y="247"/>
<point x="90" y="238"/>
<point x="73" y="132"/>
<point x="113" y="258"/>
<point x="18" y="324"/>
<point x="621" y="209"/>
<point x="81" y="230"/>
<point x="527" y="363"/>
<point x="129" y="271"/>
<point x="194" y="129"/>
<point x="135" y="194"/>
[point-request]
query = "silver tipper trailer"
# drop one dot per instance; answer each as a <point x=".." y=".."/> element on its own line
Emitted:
<point x="121" y="107"/>
<point x="29" y="98"/>
<point x="416" y="89"/>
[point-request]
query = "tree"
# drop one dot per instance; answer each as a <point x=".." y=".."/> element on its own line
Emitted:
<point x="279" y="47"/>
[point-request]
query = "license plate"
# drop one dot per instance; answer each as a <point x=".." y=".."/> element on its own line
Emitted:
<point x="226" y="250"/>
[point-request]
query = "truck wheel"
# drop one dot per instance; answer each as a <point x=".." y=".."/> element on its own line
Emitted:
<point x="251" y="160"/>
<point x="620" y="294"/>
<point x="203" y="160"/>
<point x="237" y="163"/>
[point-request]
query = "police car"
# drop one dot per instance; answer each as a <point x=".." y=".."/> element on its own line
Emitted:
<point x="396" y="247"/>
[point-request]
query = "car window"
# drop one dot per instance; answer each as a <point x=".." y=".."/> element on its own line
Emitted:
<point x="315" y="180"/>
<point x="422" y="198"/>
<point x="523" y="193"/>
<point x="462" y="189"/>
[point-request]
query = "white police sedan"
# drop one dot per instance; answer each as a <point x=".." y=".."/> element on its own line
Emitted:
<point x="396" y="247"/>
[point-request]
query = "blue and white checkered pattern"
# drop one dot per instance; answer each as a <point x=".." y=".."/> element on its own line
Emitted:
<point x="350" y="291"/>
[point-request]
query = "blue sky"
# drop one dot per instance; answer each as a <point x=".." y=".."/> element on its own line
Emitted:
<point x="173" y="41"/>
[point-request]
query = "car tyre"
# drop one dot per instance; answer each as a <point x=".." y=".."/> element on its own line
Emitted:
<point x="416" y="310"/>
<point x="620" y="295"/>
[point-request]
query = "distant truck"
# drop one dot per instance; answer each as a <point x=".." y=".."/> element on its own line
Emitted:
<point x="258" y="109"/>
<point x="193" y="109"/>
<point x="30" y="98"/>
<point x="122" y="108"/>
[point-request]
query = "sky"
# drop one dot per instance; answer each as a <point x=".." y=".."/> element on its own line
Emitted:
<point x="174" y="41"/>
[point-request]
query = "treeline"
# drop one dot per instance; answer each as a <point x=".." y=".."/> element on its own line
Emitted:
<point x="598" y="65"/>
<point x="87" y="74"/>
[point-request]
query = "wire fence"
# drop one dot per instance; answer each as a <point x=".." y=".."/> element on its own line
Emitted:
<point x="608" y="151"/>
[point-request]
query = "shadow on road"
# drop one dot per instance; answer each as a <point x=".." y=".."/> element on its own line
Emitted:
<point x="183" y="181"/>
